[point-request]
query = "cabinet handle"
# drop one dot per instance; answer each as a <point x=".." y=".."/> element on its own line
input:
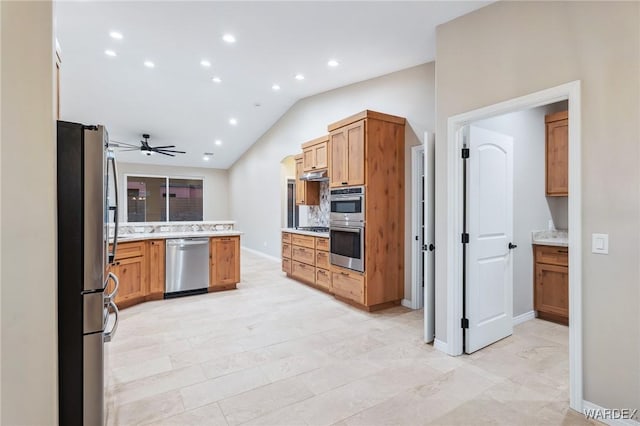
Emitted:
<point x="563" y="251"/>
<point x="313" y="167"/>
<point x="225" y="239"/>
<point x="344" y="273"/>
<point x="345" y="183"/>
<point x="302" y="265"/>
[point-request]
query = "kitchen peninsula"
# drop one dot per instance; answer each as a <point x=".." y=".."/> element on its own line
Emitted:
<point x="140" y="259"/>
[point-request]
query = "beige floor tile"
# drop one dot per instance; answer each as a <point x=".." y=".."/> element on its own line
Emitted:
<point x="146" y="410"/>
<point x="222" y="387"/>
<point x="209" y="415"/>
<point x="264" y="400"/>
<point x="140" y="370"/>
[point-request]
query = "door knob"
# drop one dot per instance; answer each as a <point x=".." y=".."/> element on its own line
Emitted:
<point x="512" y="246"/>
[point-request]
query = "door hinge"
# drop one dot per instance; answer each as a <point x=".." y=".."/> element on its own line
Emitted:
<point x="465" y="238"/>
<point x="464" y="323"/>
<point x="465" y="152"/>
<point x="428" y="247"/>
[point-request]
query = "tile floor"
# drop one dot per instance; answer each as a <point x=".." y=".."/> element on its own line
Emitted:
<point x="276" y="352"/>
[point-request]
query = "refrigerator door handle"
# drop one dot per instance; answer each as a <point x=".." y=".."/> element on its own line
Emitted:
<point x="111" y="296"/>
<point x="112" y="159"/>
<point x="108" y="336"/>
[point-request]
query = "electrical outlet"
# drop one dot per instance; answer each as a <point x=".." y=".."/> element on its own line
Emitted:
<point x="138" y="229"/>
<point x="164" y="229"/>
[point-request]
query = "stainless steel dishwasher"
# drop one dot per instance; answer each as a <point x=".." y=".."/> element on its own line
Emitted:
<point x="187" y="263"/>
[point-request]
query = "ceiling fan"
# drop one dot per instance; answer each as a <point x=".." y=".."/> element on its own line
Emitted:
<point x="145" y="148"/>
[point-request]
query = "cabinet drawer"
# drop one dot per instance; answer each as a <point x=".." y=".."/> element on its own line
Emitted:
<point x="323" y="279"/>
<point x="303" y="272"/>
<point x="132" y="249"/>
<point x="286" y="265"/>
<point x="322" y="244"/>
<point x="303" y="254"/>
<point x="552" y="255"/>
<point x="322" y="259"/>
<point x="348" y="285"/>
<point x="303" y="240"/>
<point x="286" y="237"/>
<point x="286" y="250"/>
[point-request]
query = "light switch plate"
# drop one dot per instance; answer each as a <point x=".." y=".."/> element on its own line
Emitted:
<point x="600" y="243"/>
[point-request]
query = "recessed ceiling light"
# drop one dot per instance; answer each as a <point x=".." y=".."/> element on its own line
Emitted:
<point x="216" y="79"/>
<point x="333" y="63"/>
<point x="218" y="142"/>
<point x="205" y="63"/>
<point x="149" y="64"/>
<point x="229" y="38"/>
<point x="275" y="87"/>
<point x="109" y="52"/>
<point x="233" y="121"/>
<point x="299" y="77"/>
<point x="116" y="35"/>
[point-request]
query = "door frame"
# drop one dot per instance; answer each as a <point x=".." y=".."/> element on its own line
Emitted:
<point x="455" y="140"/>
<point x="417" y="163"/>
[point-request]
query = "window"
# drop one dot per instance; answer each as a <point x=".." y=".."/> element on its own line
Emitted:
<point x="148" y="199"/>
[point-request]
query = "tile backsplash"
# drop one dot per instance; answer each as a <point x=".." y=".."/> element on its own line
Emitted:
<point x="132" y="228"/>
<point x="319" y="215"/>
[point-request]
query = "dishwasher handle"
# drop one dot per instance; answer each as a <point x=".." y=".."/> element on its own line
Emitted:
<point x="188" y="242"/>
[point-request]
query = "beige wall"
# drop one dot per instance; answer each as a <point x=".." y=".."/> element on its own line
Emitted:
<point x="509" y="49"/>
<point x="28" y="216"/>
<point x="255" y="179"/>
<point x="216" y="185"/>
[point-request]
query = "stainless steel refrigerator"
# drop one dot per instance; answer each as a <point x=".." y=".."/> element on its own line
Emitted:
<point x="87" y="209"/>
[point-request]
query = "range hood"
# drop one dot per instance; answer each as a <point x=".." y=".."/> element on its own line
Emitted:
<point x="315" y="176"/>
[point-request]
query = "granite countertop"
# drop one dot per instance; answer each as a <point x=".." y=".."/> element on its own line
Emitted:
<point x="558" y="238"/>
<point x="168" y="235"/>
<point x="310" y="233"/>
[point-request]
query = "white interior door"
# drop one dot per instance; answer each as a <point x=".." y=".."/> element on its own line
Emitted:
<point x="428" y="237"/>
<point x="489" y="216"/>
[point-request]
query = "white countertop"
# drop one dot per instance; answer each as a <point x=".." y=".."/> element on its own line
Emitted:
<point x="169" y="235"/>
<point x="550" y="238"/>
<point x="310" y="233"/>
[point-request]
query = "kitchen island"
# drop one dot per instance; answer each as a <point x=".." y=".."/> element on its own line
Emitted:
<point x="140" y="262"/>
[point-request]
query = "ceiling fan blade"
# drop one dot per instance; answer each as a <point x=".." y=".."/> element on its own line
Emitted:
<point x="117" y="144"/>
<point x="129" y="149"/>
<point x="164" y="153"/>
<point x="164" y="146"/>
<point x="171" y="150"/>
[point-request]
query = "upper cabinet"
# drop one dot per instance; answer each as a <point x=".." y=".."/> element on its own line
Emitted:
<point x="307" y="193"/>
<point x="557" y="154"/>
<point x="315" y="154"/>
<point x="347" y="154"/>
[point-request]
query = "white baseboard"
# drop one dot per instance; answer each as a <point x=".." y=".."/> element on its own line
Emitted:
<point x="261" y="254"/>
<point x="440" y="345"/>
<point x="406" y="303"/>
<point x="586" y="405"/>
<point x="524" y="317"/>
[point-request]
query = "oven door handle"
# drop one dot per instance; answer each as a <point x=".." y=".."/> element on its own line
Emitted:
<point x="352" y="230"/>
<point x="339" y="198"/>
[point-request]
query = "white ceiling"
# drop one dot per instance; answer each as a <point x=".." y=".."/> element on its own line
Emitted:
<point x="177" y="102"/>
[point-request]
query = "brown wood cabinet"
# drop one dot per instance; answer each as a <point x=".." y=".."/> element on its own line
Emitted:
<point x="306" y="259"/>
<point x="225" y="263"/>
<point x="130" y="266"/>
<point x="157" y="267"/>
<point x="557" y="154"/>
<point x="348" y="284"/>
<point x="307" y="193"/>
<point x="551" y="283"/>
<point x="347" y="147"/>
<point x="315" y="154"/>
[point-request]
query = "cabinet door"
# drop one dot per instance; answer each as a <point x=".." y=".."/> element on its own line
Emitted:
<point x="552" y="289"/>
<point x="156" y="267"/>
<point x="225" y="261"/>
<point x="355" y="155"/>
<point x="308" y="159"/>
<point x="557" y="161"/>
<point x="338" y="169"/>
<point x="131" y="273"/>
<point x="300" y="184"/>
<point x="321" y="155"/>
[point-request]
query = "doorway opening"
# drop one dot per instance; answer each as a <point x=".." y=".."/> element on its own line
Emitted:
<point x="460" y="232"/>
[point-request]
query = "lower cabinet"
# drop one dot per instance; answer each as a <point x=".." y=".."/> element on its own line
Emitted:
<point x="306" y="258"/>
<point x="132" y="278"/>
<point x="551" y="284"/>
<point x="156" y="269"/>
<point x="347" y="284"/>
<point x="303" y="271"/>
<point x="225" y="263"/>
